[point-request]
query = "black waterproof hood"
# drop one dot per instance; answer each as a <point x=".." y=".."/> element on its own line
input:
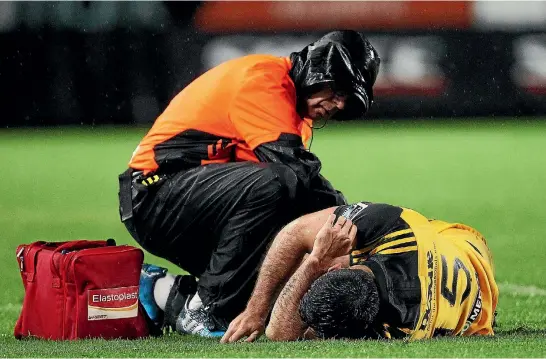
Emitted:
<point x="344" y="60"/>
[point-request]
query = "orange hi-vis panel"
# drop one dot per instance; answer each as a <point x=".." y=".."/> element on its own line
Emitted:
<point x="223" y="115"/>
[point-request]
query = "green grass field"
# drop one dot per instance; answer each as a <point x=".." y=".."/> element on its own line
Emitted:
<point x="61" y="184"/>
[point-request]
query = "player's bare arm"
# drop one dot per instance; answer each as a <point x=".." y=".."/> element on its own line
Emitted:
<point x="285" y="323"/>
<point x="332" y="241"/>
<point x="286" y="252"/>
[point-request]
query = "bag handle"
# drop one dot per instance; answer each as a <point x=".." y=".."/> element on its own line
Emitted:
<point x="74" y="246"/>
<point x="79" y="244"/>
<point x="26" y="256"/>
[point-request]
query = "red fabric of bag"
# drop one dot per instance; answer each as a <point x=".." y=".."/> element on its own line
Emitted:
<point x="80" y="289"/>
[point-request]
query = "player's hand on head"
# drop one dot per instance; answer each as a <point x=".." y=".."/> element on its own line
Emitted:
<point x="246" y="325"/>
<point x="335" y="239"/>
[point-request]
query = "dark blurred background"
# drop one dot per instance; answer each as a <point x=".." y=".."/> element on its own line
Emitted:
<point x="121" y="62"/>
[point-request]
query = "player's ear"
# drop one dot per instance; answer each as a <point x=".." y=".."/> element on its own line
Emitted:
<point x="334" y="267"/>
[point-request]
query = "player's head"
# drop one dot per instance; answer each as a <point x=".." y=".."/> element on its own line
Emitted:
<point x="341" y="304"/>
<point x="344" y="62"/>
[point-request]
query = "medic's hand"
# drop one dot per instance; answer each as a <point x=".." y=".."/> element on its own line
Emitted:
<point x="248" y="324"/>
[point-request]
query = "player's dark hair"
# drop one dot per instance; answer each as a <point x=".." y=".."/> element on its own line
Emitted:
<point x="341" y="304"/>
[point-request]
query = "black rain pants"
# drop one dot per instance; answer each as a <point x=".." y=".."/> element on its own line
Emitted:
<point x="215" y="221"/>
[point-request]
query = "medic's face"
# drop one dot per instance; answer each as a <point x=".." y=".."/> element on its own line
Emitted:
<point x="324" y="104"/>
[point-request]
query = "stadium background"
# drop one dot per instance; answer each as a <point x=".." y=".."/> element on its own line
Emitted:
<point x="457" y="132"/>
<point x="121" y="62"/>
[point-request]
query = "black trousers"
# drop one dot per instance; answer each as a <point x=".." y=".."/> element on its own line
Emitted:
<point x="215" y="222"/>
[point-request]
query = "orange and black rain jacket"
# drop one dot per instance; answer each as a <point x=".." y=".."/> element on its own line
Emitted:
<point x="246" y="110"/>
<point x="241" y="110"/>
<point x="223" y="116"/>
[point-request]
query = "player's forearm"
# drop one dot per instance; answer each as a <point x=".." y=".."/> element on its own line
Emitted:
<point x="280" y="262"/>
<point x="286" y="323"/>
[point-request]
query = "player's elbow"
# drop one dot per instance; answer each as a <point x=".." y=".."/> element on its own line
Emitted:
<point x="277" y="334"/>
<point x="273" y="333"/>
<point x="292" y="237"/>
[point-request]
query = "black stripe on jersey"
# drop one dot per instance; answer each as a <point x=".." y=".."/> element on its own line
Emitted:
<point x="477" y="250"/>
<point x="409" y="244"/>
<point x="401" y="236"/>
<point x="360" y="255"/>
<point x="399" y="288"/>
<point x="356" y="253"/>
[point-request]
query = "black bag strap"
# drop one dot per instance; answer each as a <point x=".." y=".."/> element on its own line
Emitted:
<point x="125" y="195"/>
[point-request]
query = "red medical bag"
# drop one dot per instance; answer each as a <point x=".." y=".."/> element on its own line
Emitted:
<point x="80" y="289"/>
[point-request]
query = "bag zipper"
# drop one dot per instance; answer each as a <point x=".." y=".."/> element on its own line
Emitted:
<point x="21" y="257"/>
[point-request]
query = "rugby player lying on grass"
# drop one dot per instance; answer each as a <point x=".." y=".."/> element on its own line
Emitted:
<point x="373" y="271"/>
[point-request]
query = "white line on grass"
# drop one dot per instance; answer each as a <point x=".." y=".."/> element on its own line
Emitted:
<point x="516" y="289"/>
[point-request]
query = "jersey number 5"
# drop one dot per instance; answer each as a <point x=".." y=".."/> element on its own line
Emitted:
<point x="451" y="294"/>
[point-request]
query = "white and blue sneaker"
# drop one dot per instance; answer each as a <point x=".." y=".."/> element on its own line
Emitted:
<point x="194" y="319"/>
<point x="148" y="276"/>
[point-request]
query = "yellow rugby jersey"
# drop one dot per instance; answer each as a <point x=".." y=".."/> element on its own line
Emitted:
<point x="434" y="278"/>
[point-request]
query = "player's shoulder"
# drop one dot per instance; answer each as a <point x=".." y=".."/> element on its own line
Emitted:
<point x="376" y="223"/>
<point x="366" y="209"/>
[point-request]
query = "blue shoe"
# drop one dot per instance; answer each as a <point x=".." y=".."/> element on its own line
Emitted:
<point x="197" y="322"/>
<point x="148" y="276"/>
